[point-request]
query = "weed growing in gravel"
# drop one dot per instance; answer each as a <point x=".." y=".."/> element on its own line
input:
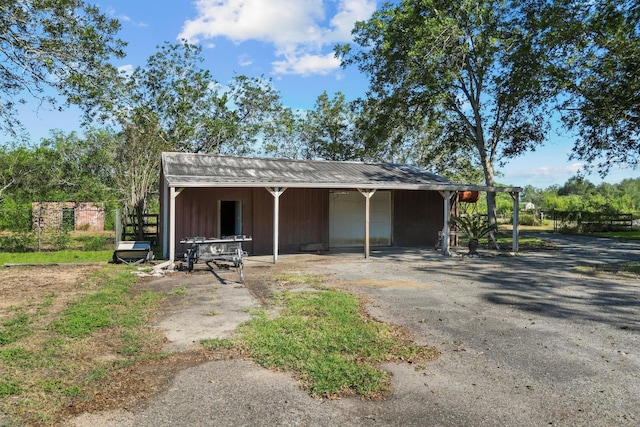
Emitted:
<point x="218" y="343"/>
<point x="331" y="346"/>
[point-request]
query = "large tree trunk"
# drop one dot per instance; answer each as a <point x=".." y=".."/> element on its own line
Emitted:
<point x="487" y="167"/>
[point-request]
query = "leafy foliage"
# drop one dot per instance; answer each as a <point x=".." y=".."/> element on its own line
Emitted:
<point x="473" y="226"/>
<point x="59" y="44"/>
<point x="592" y="53"/>
<point x="464" y="71"/>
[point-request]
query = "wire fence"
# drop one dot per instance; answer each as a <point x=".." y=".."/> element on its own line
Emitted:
<point x="57" y="226"/>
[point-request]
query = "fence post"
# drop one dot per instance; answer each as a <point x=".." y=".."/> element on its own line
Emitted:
<point x="39" y="227"/>
<point x="118" y="227"/>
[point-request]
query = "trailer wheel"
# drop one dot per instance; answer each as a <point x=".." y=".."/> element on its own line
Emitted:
<point x="191" y="258"/>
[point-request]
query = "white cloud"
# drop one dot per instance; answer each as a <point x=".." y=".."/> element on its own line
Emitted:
<point x="303" y="32"/>
<point x="245" y="60"/>
<point x="542" y="176"/>
<point x="127" y="70"/>
<point x="306" y="64"/>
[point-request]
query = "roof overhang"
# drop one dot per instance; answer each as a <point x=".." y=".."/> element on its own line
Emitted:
<point x="186" y="170"/>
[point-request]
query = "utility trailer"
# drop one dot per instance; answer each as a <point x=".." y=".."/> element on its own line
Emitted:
<point x="132" y="252"/>
<point x="224" y="252"/>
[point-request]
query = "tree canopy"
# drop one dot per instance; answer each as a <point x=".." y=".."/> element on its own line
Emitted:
<point x="465" y="70"/>
<point x="62" y="45"/>
<point x="592" y="53"/>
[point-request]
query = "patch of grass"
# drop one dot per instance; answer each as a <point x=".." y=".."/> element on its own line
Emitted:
<point x="96" y="310"/>
<point x="218" y="343"/>
<point x="628" y="235"/>
<point x="180" y="291"/>
<point x="62" y="361"/>
<point x="67" y="256"/>
<point x="330" y="346"/>
<point x="8" y="388"/>
<point x="15" y="329"/>
<point x="298" y="279"/>
<point x="622" y="268"/>
<point x="524" y="243"/>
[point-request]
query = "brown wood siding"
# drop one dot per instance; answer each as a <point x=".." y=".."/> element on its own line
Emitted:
<point x="197" y="213"/>
<point x="417" y="217"/>
<point x="262" y="222"/>
<point x="304" y="218"/>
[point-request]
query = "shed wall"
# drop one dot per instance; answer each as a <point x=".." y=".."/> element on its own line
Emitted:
<point x="304" y="217"/>
<point x="417" y="218"/>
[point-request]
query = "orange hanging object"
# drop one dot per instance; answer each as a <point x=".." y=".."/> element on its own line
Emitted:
<point x="468" y="196"/>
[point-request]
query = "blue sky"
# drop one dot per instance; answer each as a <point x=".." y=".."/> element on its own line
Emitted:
<point x="290" y="41"/>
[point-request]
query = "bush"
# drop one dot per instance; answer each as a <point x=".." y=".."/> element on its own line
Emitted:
<point x="529" y="219"/>
<point x="18" y="242"/>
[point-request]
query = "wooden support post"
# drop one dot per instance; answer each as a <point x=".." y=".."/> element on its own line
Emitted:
<point x="516" y="219"/>
<point x="276" y="193"/>
<point x="367" y="219"/>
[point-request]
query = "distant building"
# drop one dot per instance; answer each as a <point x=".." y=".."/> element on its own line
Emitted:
<point x="85" y="216"/>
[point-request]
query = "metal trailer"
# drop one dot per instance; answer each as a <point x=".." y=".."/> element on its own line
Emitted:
<point x="132" y="252"/>
<point x="223" y="252"/>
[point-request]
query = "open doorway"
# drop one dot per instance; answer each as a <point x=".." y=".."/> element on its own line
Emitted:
<point x="230" y="217"/>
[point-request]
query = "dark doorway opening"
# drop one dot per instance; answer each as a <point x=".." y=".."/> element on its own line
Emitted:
<point x="230" y="217"/>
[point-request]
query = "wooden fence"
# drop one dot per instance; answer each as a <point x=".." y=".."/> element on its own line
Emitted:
<point x="591" y="221"/>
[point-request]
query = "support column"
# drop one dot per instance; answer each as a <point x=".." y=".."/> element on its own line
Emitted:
<point x="276" y="192"/>
<point x="367" y="219"/>
<point x="173" y="193"/>
<point x="447" y="214"/>
<point x="516" y="219"/>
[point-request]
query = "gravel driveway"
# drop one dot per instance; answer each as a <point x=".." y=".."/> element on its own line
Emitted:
<point x="526" y="341"/>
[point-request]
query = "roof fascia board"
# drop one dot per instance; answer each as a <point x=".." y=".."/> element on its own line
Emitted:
<point x="343" y="186"/>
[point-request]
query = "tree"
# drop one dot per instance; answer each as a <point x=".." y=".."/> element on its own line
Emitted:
<point x="468" y="66"/>
<point x="64" y="167"/>
<point x="593" y="54"/>
<point x="330" y="129"/>
<point x="403" y="138"/>
<point x="17" y="166"/>
<point x="172" y="104"/>
<point x="59" y="44"/>
<point x="578" y="186"/>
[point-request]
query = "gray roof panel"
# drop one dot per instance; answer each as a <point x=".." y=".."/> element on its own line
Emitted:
<point x="211" y="170"/>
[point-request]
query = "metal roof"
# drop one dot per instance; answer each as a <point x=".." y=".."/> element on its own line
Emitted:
<point x="214" y="170"/>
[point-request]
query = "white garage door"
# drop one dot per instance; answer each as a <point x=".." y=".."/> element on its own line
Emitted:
<point x="347" y="216"/>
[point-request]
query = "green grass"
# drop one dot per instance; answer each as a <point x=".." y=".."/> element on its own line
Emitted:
<point x="218" y="343"/>
<point x="55" y="257"/>
<point x="330" y="346"/>
<point x="629" y="235"/>
<point x="57" y="362"/>
<point x="14" y="329"/>
<point x="622" y="268"/>
<point x="106" y="307"/>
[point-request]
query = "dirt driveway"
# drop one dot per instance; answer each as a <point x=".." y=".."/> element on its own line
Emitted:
<point x="526" y="341"/>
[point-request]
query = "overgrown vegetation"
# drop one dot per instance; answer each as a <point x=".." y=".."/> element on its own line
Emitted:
<point x="52" y="356"/>
<point x="324" y="337"/>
